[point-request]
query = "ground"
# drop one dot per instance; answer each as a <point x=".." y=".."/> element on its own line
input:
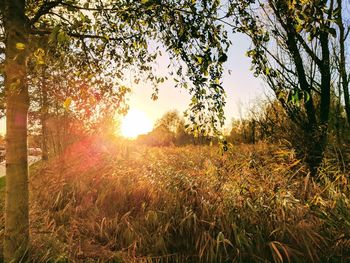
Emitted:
<point x="108" y="201"/>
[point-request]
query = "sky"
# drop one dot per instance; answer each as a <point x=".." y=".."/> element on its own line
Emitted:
<point x="242" y="88"/>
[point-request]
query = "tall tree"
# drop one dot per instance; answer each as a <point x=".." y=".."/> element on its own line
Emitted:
<point x="291" y="49"/>
<point x="17" y="104"/>
<point x="344" y="73"/>
<point x="115" y="34"/>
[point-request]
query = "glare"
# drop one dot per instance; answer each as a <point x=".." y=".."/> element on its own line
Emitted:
<point x="135" y="123"/>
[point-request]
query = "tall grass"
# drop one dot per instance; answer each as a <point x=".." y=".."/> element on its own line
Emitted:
<point x="190" y="204"/>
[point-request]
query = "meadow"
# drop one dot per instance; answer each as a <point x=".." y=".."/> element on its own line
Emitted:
<point x="126" y="203"/>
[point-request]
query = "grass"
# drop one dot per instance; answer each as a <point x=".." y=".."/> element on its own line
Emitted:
<point x="2" y="183"/>
<point x="125" y="203"/>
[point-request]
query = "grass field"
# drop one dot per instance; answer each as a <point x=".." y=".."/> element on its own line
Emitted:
<point x="255" y="203"/>
<point x="2" y="182"/>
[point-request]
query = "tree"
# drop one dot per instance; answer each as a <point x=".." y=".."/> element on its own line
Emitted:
<point x="17" y="104"/>
<point x="170" y="129"/>
<point x="170" y="120"/>
<point x="344" y="73"/>
<point x="114" y="34"/>
<point x="63" y="89"/>
<point x="291" y="50"/>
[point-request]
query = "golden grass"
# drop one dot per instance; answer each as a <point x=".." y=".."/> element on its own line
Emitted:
<point x="123" y="203"/>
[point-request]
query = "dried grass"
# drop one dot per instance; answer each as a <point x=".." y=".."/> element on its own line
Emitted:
<point x="125" y="203"/>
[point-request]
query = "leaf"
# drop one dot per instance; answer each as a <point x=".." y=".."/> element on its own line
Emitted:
<point x="154" y="96"/>
<point x="40" y="61"/>
<point x="199" y="60"/>
<point x="67" y="103"/>
<point x="39" y="54"/>
<point x="223" y="58"/>
<point x="307" y="96"/>
<point x="62" y="37"/>
<point x="20" y="46"/>
<point x="295" y="98"/>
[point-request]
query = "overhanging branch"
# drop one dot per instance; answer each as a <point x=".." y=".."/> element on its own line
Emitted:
<point x="43" y="10"/>
<point x="84" y="36"/>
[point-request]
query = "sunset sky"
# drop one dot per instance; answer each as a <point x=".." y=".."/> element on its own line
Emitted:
<point x="242" y="88"/>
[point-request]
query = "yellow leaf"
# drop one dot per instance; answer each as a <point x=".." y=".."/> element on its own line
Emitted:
<point x="20" y="46"/>
<point x="67" y="103"/>
<point x="39" y="53"/>
<point x="40" y="61"/>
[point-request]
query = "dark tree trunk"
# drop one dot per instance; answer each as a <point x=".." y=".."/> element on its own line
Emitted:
<point x="318" y="138"/>
<point x="253" y="131"/>
<point x="44" y="114"/>
<point x="342" y="62"/>
<point x="319" y="133"/>
<point x="17" y="104"/>
<point x="314" y="144"/>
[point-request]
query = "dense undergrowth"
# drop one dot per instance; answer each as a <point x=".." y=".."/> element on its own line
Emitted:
<point x="124" y="203"/>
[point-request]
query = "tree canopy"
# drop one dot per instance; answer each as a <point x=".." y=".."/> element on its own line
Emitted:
<point x="104" y="37"/>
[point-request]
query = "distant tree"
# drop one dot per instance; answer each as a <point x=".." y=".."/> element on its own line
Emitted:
<point x="166" y="130"/>
<point x="171" y="129"/>
<point x="171" y="121"/>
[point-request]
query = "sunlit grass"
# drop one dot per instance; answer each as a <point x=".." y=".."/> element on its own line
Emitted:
<point x="136" y="204"/>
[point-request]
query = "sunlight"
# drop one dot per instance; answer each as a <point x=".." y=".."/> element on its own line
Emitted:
<point x="135" y="123"/>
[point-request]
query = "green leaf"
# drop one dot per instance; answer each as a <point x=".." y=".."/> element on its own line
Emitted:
<point x="307" y="94"/>
<point x="223" y="58"/>
<point x="199" y="60"/>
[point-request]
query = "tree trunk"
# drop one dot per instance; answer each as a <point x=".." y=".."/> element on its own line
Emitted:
<point x="315" y="138"/>
<point x="342" y="62"/>
<point x="319" y="134"/>
<point x="44" y="113"/>
<point x="253" y="132"/>
<point x="17" y="104"/>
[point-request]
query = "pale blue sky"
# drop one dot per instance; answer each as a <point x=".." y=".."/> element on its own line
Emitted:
<point x="242" y="88"/>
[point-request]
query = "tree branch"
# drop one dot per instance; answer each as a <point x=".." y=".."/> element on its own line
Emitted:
<point x="90" y="8"/>
<point x="44" y="9"/>
<point x="308" y="49"/>
<point x="83" y="36"/>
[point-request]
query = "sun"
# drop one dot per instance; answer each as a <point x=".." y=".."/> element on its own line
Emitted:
<point x="135" y="123"/>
